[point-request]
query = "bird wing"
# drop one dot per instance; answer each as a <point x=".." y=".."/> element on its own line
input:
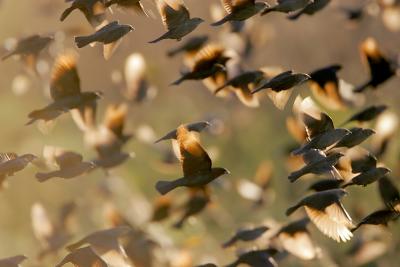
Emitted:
<point x="173" y="13"/>
<point x="314" y="120"/>
<point x="194" y="158"/>
<point x="68" y="159"/>
<point x="115" y="118"/>
<point x="7" y="156"/>
<point x="207" y="56"/>
<point x="231" y="5"/>
<point x="299" y="244"/>
<point x="65" y="79"/>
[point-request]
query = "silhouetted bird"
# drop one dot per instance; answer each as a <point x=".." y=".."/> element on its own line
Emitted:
<point x="29" y="46"/>
<point x="246" y="235"/>
<point x="310" y="9"/>
<point x="10" y="163"/>
<point x="327" y="213"/>
<point x="286" y="6"/>
<point x="367" y="114"/>
<point x="196" y="164"/>
<point x="128" y="4"/>
<point x="176" y="20"/>
<point x="161" y="209"/>
<point x="389" y="193"/>
<point x="380" y="217"/>
<point x="191" y="46"/>
<point x="94" y="10"/>
<point x="83" y="257"/>
<point x="256" y="258"/>
<point x="356" y="137"/>
<point x="284" y="81"/>
<point x="363" y="162"/>
<point x="240" y="10"/>
<point x="368" y="177"/>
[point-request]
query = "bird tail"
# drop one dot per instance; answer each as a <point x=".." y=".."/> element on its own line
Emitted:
<point x="42" y="177"/>
<point x="295" y="175"/>
<point x="219" y="22"/>
<point x="66" y="13"/>
<point x="355" y="228"/>
<point x="229" y="243"/>
<point x="298" y="151"/>
<point x="157" y="40"/>
<point x="178" y="82"/>
<point x="362" y="87"/>
<point x="82" y="41"/>
<point x="7" y="55"/>
<point x="295" y="15"/>
<point x="292" y="209"/>
<point x="179" y="224"/>
<point x="163" y="187"/>
<point x="347" y="184"/>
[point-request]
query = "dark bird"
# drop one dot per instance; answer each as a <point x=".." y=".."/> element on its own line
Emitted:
<point x="256" y="258"/>
<point x="191" y="46"/>
<point x="161" y="209"/>
<point x="286" y="6"/>
<point x="367" y="114"/>
<point x="136" y="5"/>
<point x="355" y="137"/>
<point x="310" y="9"/>
<point x="207" y="265"/>
<point x="94" y="10"/>
<point x="70" y="165"/>
<point x="284" y="81"/>
<point x="381" y="68"/>
<point x="176" y="19"/>
<point x="318" y="163"/>
<point x="246" y="235"/>
<point x="191" y="127"/>
<point x="325" y="184"/>
<point x="14" y="261"/>
<point x="327" y="213"/>
<point x="380" y="217"/>
<point x="368" y="177"/>
<point x="10" y="163"/>
<point x="240" y="10"/>
<point x="197" y="202"/>
<point x="65" y="91"/>
<point x="362" y="162"/>
<point x="83" y="257"/>
<point x="196" y="164"/>
<point x="29" y="46"/>
<point x="207" y="62"/>
<point x="109" y="35"/>
<point x="389" y="193"/>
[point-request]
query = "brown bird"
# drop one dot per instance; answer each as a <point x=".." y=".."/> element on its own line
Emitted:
<point x="70" y="165"/>
<point x="196" y="164"/>
<point x="287" y="6"/>
<point x="29" y="46"/>
<point x="176" y="20"/>
<point x="368" y="114"/>
<point x="65" y="91"/>
<point x="14" y="261"/>
<point x="310" y="9"/>
<point x="110" y="35"/>
<point x="380" y="67"/>
<point x="197" y="202"/>
<point x="380" y="217"/>
<point x="256" y="258"/>
<point x="368" y="177"/>
<point x="83" y="257"/>
<point x="327" y="213"/>
<point x="356" y="137"/>
<point x="94" y="10"/>
<point x="207" y="62"/>
<point x="10" y="163"/>
<point x="389" y="193"/>
<point x="191" y="46"/>
<point x="246" y="235"/>
<point x="240" y="10"/>
<point x="136" y="5"/>
<point x="191" y="127"/>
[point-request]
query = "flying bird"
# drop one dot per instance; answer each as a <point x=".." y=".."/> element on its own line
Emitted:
<point x="310" y="9"/>
<point x="83" y="257"/>
<point x="389" y="193"/>
<point x="368" y="177"/>
<point x="197" y="202"/>
<point x="262" y="257"/>
<point x="380" y="217"/>
<point x="355" y="137"/>
<point x="10" y="163"/>
<point x="191" y="127"/>
<point x="29" y="46"/>
<point x="368" y="114"/>
<point x="94" y="10"/>
<point x="191" y="46"/>
<point x="287" y="6"/>
<point x="246" y="235"/>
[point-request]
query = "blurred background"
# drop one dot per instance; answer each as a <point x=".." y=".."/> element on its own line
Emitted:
<point x="240" y="139"/>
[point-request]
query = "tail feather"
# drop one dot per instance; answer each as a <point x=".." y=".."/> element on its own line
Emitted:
<point x="295" y="175"/>
<point x="82" y="41"/>
<point x="163" y="187"/>
<point x="292" y="209"/>
<point x="362" y="87"/>
<point x="179" y="81"/>
<point x="7" y="55"/>
<point x="162" y="37"/>
<point x="66" y="13"/>
<point x="229" y="243"/>
<point x="42" y="177"/>
<point x="220" y="22"/>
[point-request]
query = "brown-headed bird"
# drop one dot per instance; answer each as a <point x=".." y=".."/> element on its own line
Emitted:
<point x="286" y="6"/>
<point x="65" y="91"/>
<point x="136" y="5"/>
<point x="29" y="46"/>
<point x="191" y="127"/>
<point x="380" y="67"/>
<point x="10" y="163"/>
<point x="246" y="235"/>
<point x="380" y="217"/>
<point x="207" y="62"/>
<point x="318" y="163"/>
<point x="196" y="164"/>
<point x="256" y="258"/>
<point x="70" y="165"/>
<point x="327" y="213"/>
<point x="389" y="193"/>
<point x="368" y="114"/>
<point x="191" y="46"/>
<point x="94" y="10"/>
<point x="14" y="261"/>
<point x="197" y="202"/>
<point x="176" y="20"/>
<point x="83" y="257"/>
<point x="310" y="9"/>
<point x="110" y="35"/>
<point x="368" y="177"/>
<point x="240" y="10"/>
<point x="355" y="137"/>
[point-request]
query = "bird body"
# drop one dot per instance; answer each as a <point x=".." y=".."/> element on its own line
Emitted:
<point x="31" y="45"/>
<point x="240" y="10"/>
<point x="310" y="9"/>
<point x="380" y="217"/>
<point x="367" y="114"/>
<point x="11" y="163"/>
<point x="92" y="9"/>
<point x="368" y="177"/>
<point x="356" y="137"/>
<point x="389" y="193"/>
<point x="248" y="234"/>
<point x="284" y="81"/>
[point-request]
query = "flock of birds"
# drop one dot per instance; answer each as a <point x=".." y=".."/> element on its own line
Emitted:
<point x="324" y="149"/>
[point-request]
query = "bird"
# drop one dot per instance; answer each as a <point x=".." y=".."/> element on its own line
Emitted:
<point x="240" y="10"/>
<point x="209" y="61"/>
<point x="176" y="19"/>
<point x="368" y="177"/>
<point x="161" y="209"/>
<point x="70" y="165"/>
<point x="191" y="127"/>
<point x="287" y="6"/>
<point x="110" y="35"/>
<point x="368" y="114"/>
<point x="362" y="162"/>
<point x="191" y="46"/>
<point x="389" y="193"/>
<point x="197" y="202"/>
<point x="65" y="91"/>
<point x="13" y="261"/>
<point x="136" y="5"/>
<point x="83" y="257"/>
<point x="259" y="258"/>
<point x="379" y="217"/>
<point x="10" y="163"/>
<point x="29" y="46"/>
<point x="310" y="9"/>
<point x="196" y="164"/>
<point x="283" y="81"/>
<point x="245" y="234"/>
<point x="380" y="67"/>
<point x="355" y="137"/>
<point x="327" y="213"/>
<point x="318" y="163"/>
<point x="94" y="10"/>
<point x="325" y="184"/>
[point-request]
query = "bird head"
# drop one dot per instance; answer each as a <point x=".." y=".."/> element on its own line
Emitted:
<point x="197" y="21"/>
<point x="217" y="172"/>
<point x="127" y="28"/>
